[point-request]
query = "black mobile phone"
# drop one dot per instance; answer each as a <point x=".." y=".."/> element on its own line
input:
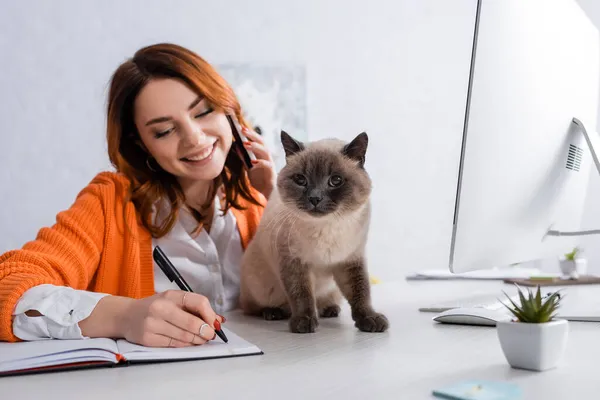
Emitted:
<point x="238" y="141"/>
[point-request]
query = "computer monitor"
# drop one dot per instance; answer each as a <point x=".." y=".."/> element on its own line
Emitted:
<point x="525" y="162"/>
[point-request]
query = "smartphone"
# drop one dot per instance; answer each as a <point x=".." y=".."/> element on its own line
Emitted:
<point x="238" y="141"/>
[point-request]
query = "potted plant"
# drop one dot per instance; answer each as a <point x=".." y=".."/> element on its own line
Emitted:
<point x="573" y="264"/>
<point x="534" y="339"/>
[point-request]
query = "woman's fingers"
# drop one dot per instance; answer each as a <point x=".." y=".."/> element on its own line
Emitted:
<point x="169" y="341"/>
<point x="197" y="305"/>
<point x="192" y="316"/>
<point x="160" y="325"/>
<point x="167" y="329"/>
<point x="253" y="136"/>
<point x="259" y="150"/>
<point x="262" y="164"/>
<point x="191" y="324"/>
<point x="158" y="340"/>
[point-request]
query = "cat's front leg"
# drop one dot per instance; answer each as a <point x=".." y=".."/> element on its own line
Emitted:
<point x="353" y="280"/>
<point x="296" y="280"/>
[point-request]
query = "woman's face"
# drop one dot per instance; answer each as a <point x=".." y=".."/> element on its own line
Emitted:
<point x="181" y="131"/>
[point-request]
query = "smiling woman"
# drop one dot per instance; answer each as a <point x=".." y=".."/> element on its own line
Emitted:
<point x="178" y="184"/>
<point x="190" y="137"/>
<point x="178" y="113"/>
<point x="189" y="140"/>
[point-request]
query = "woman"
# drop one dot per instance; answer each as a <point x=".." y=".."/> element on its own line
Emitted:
<point x="178" y="184"/>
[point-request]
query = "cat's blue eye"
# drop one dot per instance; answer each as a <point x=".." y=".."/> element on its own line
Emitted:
<point x="299" y="179"/>
<point x="335" y="181"/>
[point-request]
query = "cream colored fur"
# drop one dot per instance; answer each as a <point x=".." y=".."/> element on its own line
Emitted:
<point x="320" y="242"/>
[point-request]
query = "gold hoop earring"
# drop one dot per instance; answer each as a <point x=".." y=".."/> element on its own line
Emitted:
<point x="149" y="166"/>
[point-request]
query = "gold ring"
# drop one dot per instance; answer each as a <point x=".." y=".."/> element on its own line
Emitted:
<point x="202" y="326"/>
<point x="183" y="299"/>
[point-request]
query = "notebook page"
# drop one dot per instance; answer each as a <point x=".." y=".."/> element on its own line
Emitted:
<point x="213" y="349"/>
<point x="38" y="353"/>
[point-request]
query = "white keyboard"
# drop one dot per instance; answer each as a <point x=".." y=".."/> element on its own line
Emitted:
<point x="485" y="300"/>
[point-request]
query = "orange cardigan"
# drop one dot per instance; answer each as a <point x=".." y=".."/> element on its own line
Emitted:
<point x="96" y="245"/>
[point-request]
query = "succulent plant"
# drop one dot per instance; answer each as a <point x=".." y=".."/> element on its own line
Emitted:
<point x="573" y="254"/>
<point x="535" y="309"/>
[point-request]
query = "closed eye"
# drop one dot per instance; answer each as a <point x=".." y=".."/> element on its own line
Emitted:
<point x="202" y="114"/>
<point x="161" y="134"/>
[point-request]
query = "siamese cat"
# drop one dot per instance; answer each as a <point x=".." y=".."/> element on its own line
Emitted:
<point x="309" y="249"/>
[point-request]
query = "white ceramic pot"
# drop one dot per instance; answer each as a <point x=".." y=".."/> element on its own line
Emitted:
<point x="573" y="268"/>
<point x="536" y="347"/>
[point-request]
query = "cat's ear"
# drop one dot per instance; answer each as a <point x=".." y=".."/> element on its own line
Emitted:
<point x="290" y="145"/>
<point x="357" y="148"/>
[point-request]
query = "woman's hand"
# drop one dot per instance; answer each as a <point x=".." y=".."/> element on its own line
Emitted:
<point x="170" y="319"/>
<point x="262" y="175"/>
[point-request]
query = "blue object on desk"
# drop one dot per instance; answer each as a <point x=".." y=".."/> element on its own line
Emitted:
<point x="479" y="390"/>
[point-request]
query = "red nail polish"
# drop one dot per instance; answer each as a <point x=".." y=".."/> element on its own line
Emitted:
<point x="214" y="336"/>
<point x="217" y="325"/>
<point x="222" y="318"/>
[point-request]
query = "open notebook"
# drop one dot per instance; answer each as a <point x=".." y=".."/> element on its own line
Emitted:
<point x="54" y="355"/>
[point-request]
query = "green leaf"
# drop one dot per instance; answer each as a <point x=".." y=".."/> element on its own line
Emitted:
<point x="511" y="301"/>
<point x="572" y="255"/>
<point x="532" y="309"/>
<point x="549" y="306"/>
<point x="522" y="299"/>
<point x="520" y="316"/>
<point x="527" y="307"/>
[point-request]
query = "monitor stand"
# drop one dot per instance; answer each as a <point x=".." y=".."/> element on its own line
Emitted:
<point x="593" y="142"/>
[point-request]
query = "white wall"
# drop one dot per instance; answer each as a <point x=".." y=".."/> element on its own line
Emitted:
<point x="396" y="69"/>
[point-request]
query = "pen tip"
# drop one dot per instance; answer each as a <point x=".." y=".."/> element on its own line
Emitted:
<point x="221" y="335"/>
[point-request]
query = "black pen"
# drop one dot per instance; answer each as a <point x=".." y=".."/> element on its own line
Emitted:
<point x="173" y="275"/>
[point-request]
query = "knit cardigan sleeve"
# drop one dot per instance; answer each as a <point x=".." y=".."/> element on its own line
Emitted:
<point x="65" y="254"/>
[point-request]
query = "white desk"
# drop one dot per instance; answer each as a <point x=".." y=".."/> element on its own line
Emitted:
<point x="412" y="358"/>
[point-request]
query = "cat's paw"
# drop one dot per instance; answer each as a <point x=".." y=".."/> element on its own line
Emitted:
<point x="304" y="324"/>
<point x="274" y="313"/>
<point x="330" y="311"/>
<point x="372" y="323"/>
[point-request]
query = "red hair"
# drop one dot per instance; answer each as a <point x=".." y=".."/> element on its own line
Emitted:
<point x="147" y="186"/>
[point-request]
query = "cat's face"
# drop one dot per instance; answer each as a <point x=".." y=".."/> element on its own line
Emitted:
<point x="326" y="177"/>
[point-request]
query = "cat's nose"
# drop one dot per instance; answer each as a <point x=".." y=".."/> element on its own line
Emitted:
<point x="314" y="200"/>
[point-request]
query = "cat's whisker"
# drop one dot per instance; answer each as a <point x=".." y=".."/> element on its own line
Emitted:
<point x="281" y="214"/>
<point x="281" y="217"/>
<point x="288" y="215"/>
<point x="274" y="219"/>
<point x="289" y="234"/>
<point x="272" y="224"/>
<point x="291" y="220"/>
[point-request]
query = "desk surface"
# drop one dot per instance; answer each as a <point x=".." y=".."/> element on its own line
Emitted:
<point x="407" y="362"/>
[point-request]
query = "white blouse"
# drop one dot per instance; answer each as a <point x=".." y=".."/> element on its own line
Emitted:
<point x="210" y="264"/>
